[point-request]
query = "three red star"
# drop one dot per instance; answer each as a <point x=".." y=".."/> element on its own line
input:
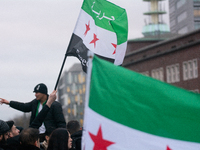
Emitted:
<point x="94" y="40"/>
<point x="99" y="142"/>
<point x="95" y="37"/>
<point x="87" y="28"/>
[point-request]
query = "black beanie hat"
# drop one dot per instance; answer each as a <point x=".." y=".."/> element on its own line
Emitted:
<point x="41" y="88"/>
<point x="3" y="127"/>
<point x="10" y="123"/>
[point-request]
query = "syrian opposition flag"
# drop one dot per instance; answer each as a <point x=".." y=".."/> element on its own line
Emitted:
<point x="102" y="28"/>
<point x="129" y="111"/>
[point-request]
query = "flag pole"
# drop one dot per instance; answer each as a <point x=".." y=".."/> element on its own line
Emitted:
<point x="60" y="72"/>
<point x="90" y="56"/>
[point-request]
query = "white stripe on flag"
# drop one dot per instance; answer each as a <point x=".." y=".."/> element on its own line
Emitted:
<point x="120" y="53"/>
<point x="103" y="45"/>
<point x="126" y="138"/>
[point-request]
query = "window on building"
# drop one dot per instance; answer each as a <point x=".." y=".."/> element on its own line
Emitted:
<point x="81" y="100"/>
<point x="183" y="30"/>
<point x="69" y="80"/>
<point x="81" y="77"/>
<point x="77" y="99"/>
<point x="80" y="89"/>
<point x="84" y="88"/>
<point x="81" y="122"/>
<point x="157" y="74"/>
<point x="146" y="73"/>
<point x="65" y="98"/>
<point x="197" y="25"/>
<point x="182" y="16"/>
<point x="69" y="101"/>
<point x="68" y="89"/>
<point x="180" y="3"/>
<point x="75" y="78"/>
<point x="196" y="0"/>
<point x="196" y="11"/>
<point x="68" y="110"/>
<point x="195" y="91"/>
<point x="75" y="110"/>
<point x="173" y="73"/>
<point x="190" y="69"/>
<point x="74" y="88"/>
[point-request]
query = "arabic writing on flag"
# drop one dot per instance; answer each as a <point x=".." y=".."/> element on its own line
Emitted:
<point x="102" y="27"/>
<point x="127" y="110"/>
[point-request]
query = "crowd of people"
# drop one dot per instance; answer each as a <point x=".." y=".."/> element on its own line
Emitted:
<point x="47" y="130"/>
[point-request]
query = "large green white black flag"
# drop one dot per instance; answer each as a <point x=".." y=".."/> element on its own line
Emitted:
<point x="102" y="27"/>
<point x="128" y="111"/>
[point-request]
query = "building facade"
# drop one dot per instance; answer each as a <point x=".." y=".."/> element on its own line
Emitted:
<point x="71" y="93"/>
<point x="175" y="61"/>
<point x="184" y="15"/>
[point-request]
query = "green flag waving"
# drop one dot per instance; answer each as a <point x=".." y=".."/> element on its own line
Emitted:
<point x="127" y="110"/>
<point x="102" y="27"/>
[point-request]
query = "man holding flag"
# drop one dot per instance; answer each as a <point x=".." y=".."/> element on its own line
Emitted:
<point x="102" y="27"/>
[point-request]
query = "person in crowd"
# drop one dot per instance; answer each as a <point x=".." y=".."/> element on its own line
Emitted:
<point x="13" y="136"/>
<point x="13" y="129"/>
<point x="19" y="128"/>
<point x="13" y="143"/>
<point x="73" y="126"/>
<point x="74" y="129"/>
<point x="29" y="139"/>
<point x="48" y="132"/>
<point x="4" y="132"/>
<point x="54" y="118"/>
<point x="60" y="139"/>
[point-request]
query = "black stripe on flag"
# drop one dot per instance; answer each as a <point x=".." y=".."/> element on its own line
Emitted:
<point x="78" y="49"/>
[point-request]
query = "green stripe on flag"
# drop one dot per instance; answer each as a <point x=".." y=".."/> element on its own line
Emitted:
<point x="108" y="16"/>
<point x="121" y="28"/>
<point x="143" y="103"/>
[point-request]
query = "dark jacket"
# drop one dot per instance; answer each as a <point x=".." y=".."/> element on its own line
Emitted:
<point x="14" y="143"/>
<point x="76" y="140"/>
<point x="28" y="147"/>
<point x="54" y="117"/>
<point x="6" y="147"/>
<point x="3" y="145"/>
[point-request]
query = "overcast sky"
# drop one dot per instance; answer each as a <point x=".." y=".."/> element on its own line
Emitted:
<point x="34" y="36"/>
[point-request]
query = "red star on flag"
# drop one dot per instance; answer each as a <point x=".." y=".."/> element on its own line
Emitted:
<point x="94" y="40"/>
<point x="115" y="46"/>
<point x="99" y="142"/>
<point x="87" y="28"/>
<point x="168" y="148"/>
